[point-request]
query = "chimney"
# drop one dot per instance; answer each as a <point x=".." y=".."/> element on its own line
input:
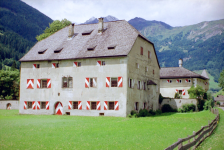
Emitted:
<point x="100" y="25"/>
<point x="180" y="62"/>
<point x="71" y="30"/>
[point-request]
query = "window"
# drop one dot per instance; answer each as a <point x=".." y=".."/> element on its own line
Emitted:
<point x="189" y="80"/>
<point x="149" y="55"/>
<point x="93" y="105"/>
<point x="103" y="63"/>
<point x="144" y="106"/>
<point x="111" y="105"/>
<point x="112" y="47"/>
<point x="141" y="51"/>
<point x="75" y="105"/>
<point x="139" y="84"/>
<point x="92" y="82"/>
<point x="170" y="81"/>
<point x="79" y="64"/>
<point x="42" y="105"/>
<point x="67" y="82"/>
<point x="180" y="92"/>
<point x="42" y="51"/>
<point x="130" y="83"/>
<point x="38" y="65"/>
<point x="113" y="82"/>
<point x="91" y="48"/>
<point x="137" y="65"/>
<point x="29" y="105"/>
<point x="87" y="32"/>
<point x="136" y="106"/>
<point x="58" y="50"/>
<point x="180" y="81"/>
<point x="43" y="83"/>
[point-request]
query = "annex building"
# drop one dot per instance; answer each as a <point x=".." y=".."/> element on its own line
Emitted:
<point x="179" y="80"/>
<point x="90" y="70"/>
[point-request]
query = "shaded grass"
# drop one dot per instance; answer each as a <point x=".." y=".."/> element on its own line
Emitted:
<point x="216" y="140"/>
<point x="77" y="132"/>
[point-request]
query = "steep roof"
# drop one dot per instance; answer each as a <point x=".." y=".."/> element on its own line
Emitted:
<point x="204" y="74"/>
<point x="117" y="33"/>
<point x="178" y="72"/>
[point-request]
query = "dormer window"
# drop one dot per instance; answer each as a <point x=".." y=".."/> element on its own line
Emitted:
<point x="42" y="51"/>
<point x="91" y="48"/>
<point x="112" y="47"/>
<point x="87" y="32"/>
<point x="58" y="50"/>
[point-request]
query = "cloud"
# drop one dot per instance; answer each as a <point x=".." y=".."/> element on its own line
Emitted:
<point x="172" y="12"/>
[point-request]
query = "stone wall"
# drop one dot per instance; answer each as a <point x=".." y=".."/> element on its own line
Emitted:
<point x="177" y="103"/>
<point x="9" y="104"/>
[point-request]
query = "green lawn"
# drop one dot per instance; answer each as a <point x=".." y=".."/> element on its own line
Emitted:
<point x="216" y="140"/>
<point x="76" y="132"/>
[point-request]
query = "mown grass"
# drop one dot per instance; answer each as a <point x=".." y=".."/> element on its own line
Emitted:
<point x="76" y="132"/>
<point x="216" y="140"/>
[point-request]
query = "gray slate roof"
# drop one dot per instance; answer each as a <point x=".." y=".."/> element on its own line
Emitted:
<point x="118" y="33"/>
<point x="178" y="72"/>
<point x="204" y="73"/>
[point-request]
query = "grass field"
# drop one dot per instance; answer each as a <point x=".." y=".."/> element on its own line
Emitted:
<point x="76" y="132"/>
<point x="216" y="140"/>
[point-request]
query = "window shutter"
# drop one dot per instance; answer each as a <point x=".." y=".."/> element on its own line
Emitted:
<point x="120" y="82"/>
<point x="38" y="83"/>
<point x="98" y="63"/>
<point x="80" y="105"/>
<point x="75" y="64"/>
<point x="98" y="105"/>
<point x="38" y="105"/>
<point x="87" y="83"/>
<point x="25" y="105"/>
<point x="47" y="105"/>
<point x="48" y="83"/>
<point x="183" y="92"/>
<point x="88" y="105"/>
<point x="107" y="81"/>
<point x="94" y="82"/>
<point x="70" y="105"/>
<point x="53" y="65"/>
<point x="33" y="105"/>
<point x="30" y="83"/>
<point x="105" y="105"/>
<point x="116" y="107"/>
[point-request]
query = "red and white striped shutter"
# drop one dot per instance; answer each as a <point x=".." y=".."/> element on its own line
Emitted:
<point x="178" y="81"/>
<point x="168" y="81"/>
<point x="176" y="90"/>
<point x="186" y="80"/>
<point x="98" y="63"/>
<point x="88" y="105"/>
<point x="105" y="105"/>
<point x="94" y="82"/>
<point x="34" y="66"/>
<point x="38" y="83"/>
<point x="53" y="65"/>
<point x="70" y="105"/>
<point x="98" y="105"/>
<point x="183" y="92"/>
<point x="33" y="105"/>
<point x="30" y="83"/>
<point x="48" y="83"/>
<point x="47" y="105"/>
<point x="38" y="105"/>
<point x="75" y="64"/>
<point x="25" y="105"/>
<point x="116" y="107"/>
<point x="120" y="82"/>
<point x="107" y="81"/>
<point x="80" y="105"/>
<point x="86" y="82"/>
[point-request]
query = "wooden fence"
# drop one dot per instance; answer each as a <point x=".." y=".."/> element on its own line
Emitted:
<point x="197" y="137"/>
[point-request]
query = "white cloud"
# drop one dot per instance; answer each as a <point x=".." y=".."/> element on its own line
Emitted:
<point x="172" y="12"/>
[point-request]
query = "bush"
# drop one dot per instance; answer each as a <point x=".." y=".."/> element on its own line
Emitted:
<point x="176" y="95"/>
<point x="200" y="104"/>
<point x="167" y="108"/>
<point x="158" y="112"/>
<point x="152" y="112"/>
<point x="8" y="97"/>
<point x="218" y="103"/>
<point x="160" y="98"/>
<point x="143" y="113"/>
<point x="188" y="108"/>
<point x="208" y="104"/>
<point x="133" y="112"/>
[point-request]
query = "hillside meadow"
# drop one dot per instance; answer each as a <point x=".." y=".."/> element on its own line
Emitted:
<point x="79" y="132"/>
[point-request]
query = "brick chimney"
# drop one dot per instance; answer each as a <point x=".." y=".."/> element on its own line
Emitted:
<point x="71" y="30"/>
<point x="100" y="25"/>
<point x="180" y="62"/>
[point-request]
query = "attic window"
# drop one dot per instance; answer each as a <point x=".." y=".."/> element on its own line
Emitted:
<point x="58" y="50"/>
<point x="87" y="32"/>
<point x="42" y="51"/>
<point x="91" y="48"/>
<point x="111" y="47"/>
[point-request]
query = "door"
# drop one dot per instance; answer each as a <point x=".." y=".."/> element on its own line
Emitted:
<point x="58" y="108"/>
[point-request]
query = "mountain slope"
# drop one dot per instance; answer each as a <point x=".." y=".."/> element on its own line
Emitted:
<point x="105" y="19"/>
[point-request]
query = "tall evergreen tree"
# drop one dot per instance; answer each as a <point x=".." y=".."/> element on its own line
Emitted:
<point x="13" y="67"/>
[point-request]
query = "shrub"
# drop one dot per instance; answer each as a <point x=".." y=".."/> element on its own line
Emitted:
<point x="208" y="104"/>
<point x="129" y="115"/>
<point x="158" y="112"/>
<point x="133" y="112"/>
<point x="200" y="104"/>
<point x="143" y="113"/>
<point x="152" y="112"/>
<point x="218" y="103"/>
<point x="188" y="108"/>
<point x="8" y="97"/>
<point x="167" y="108"/>
<point x="176" y="95"/>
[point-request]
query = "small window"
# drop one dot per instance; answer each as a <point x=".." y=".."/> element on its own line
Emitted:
<point x="170" y="81"/>
<point x="43" y="83"/>
<point x="136" y="106"/>
<point x="42" y="51"/>
<point x="58" y="50"/>
<point x="180" y="92"/>
<point x="87" y="32"/>
<point x="139" y="84"/>
<point x="93" y="82"/>
<point x="75" y="105"/>
<point x="79" y="64"/>
<point x="93" y="105"/>
<point x="29" y="105"/>
<point x="113" y="82"/>
<point x="112" y="47"/>
<point x="149" y="55"/>
<point x="137" y="65"/>
<point x="180" y="81"/>
<point x="42" y="105"/>
<point x="144" y="106"/>
<point x="141" y="51"/>
<point x="91" y="48"/>
<point x="67" y="82"/>
<point x="38" y="66"/>
<point x="103" y="63"/>
<point x="111" y="105"/>
<point x="130" y="83"/>
<point x="189" y="80"/>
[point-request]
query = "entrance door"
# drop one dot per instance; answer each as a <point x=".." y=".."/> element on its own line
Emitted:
<point x="58" y="108"/>
<point x="8" y="106"/>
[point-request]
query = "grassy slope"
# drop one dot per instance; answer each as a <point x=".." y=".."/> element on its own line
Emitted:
<point x="216" y="140"/>
<point x="75" y="132"/>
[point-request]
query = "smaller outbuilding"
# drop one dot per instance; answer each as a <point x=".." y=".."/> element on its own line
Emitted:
<point x="219" y="98"/>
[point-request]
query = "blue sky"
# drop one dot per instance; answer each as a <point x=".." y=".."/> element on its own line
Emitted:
<point x="172" y="12"/>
